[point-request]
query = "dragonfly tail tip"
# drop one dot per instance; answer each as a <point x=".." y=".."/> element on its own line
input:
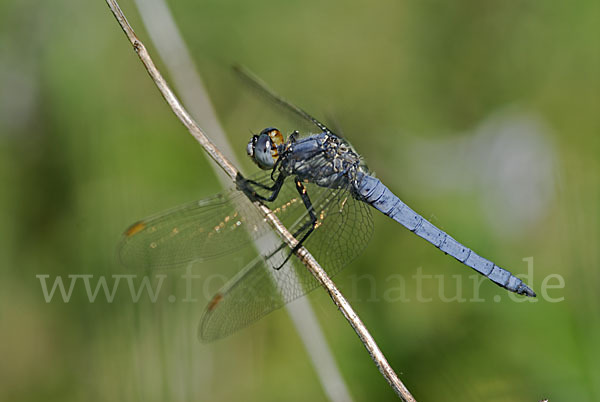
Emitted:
<point x="526" y="290"/>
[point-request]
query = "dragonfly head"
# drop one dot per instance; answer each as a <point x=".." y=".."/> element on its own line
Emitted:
<point x="262" y="148"/>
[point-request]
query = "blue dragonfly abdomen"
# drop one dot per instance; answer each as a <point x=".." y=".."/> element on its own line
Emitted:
<point x="375" y="193"/>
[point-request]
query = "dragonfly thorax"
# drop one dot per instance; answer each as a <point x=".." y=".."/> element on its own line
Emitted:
<point x="323" y="159"/>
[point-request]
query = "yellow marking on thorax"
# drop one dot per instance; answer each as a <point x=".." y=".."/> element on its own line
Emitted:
<point x="276" y="137"/>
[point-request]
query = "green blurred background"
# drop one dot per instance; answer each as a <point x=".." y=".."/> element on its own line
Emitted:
<point x="481" y="115"/>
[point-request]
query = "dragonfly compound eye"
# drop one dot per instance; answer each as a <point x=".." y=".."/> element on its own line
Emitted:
<point x="263" y="152"/>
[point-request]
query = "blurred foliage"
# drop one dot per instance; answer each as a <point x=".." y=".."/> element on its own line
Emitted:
<point x="87" y="146"/>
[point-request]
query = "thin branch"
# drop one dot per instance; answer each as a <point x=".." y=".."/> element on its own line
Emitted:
<point x="307" y="259"/>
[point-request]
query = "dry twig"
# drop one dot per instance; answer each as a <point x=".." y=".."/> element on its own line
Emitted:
<point x="307" y="259"/>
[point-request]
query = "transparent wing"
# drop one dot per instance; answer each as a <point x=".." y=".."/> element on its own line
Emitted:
<point x="224" y="223"/>
<point x="200" y="230"/>
<point x="273" y="98"/>
<point x="344" y="228"/>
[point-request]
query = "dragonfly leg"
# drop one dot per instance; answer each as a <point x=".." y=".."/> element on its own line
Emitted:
<point x="295" y="234"/>
<point x="245" y="185"/>
<point x="260" y="185"/>
<point x="311" y="225"/>
<point x="275" y="168"/>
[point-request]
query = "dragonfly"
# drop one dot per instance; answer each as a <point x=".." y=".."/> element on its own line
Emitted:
<point x="321" y="190"/>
